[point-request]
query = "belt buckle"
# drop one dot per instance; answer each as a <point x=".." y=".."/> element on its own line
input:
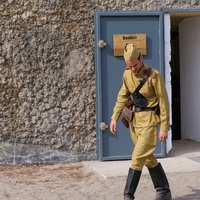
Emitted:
<point x="137" y="109"/>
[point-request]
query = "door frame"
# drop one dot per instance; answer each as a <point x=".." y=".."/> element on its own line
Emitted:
<point x="98" y="74"/>
<point x="182" y="13"/>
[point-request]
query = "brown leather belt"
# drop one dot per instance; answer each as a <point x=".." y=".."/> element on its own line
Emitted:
<point x="137" y="109"/>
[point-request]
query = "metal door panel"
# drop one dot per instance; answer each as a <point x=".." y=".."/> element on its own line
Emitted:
<point x="109" y="70"/>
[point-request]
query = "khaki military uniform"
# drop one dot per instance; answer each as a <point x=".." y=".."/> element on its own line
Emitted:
<point x="145" y="123"/>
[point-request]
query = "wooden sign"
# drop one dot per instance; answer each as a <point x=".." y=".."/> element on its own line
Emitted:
<point x="120" y="40"/>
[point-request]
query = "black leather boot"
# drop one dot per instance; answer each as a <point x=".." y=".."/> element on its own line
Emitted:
<point x="160" y="183"/>
<point x="131" y="184"/>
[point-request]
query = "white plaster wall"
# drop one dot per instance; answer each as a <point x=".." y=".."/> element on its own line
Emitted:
<point x="167" y="47"/>
<point x="189" y="39"/>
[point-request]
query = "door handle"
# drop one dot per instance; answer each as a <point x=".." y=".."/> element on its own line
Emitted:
<point x="103" y="126"/>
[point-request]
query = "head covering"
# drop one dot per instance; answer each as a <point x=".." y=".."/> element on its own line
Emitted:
<point x="131" y="53"/>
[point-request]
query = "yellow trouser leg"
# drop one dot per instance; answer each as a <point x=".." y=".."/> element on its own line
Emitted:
<point x="144" y="139"/>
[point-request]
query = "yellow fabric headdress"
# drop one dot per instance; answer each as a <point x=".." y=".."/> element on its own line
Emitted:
<point x="131" y="53"/>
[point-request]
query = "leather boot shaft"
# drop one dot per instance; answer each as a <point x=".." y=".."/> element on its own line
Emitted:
<point x="160" y="183"/>
<point x="131" y="184"/>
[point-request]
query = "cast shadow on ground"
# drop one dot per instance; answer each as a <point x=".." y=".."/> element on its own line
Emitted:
<point x="194" y="195"/>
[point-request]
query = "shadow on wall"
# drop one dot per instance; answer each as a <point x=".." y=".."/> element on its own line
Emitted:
<point x="38" y="155"/>
<point x="195" y="195"/>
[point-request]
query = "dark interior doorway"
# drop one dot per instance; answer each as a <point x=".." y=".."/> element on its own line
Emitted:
<point x="175" y="81"/>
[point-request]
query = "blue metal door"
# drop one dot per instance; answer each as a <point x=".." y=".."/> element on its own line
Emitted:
<point x="109" y="70"/>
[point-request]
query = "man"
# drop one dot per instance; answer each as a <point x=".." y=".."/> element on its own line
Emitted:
<point x="144" y="127"/>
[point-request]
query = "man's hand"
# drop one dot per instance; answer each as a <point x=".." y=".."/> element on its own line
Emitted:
<point x="113" y="126"/>
<point x="163" y="135"/>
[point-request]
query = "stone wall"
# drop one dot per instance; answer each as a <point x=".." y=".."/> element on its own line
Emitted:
<point x="47" y="77"/>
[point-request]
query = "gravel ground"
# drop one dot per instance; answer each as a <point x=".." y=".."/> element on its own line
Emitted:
<point x="77" y="181"/>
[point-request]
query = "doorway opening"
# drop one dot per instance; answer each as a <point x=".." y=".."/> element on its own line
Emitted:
<point x="176" y="18"/>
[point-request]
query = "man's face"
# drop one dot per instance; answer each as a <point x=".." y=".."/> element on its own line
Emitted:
<point x="135" y="66"/>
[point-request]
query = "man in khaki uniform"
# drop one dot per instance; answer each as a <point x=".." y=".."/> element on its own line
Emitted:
<point x="144" y="131"/>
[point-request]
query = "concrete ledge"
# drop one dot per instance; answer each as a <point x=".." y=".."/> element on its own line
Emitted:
<point x="109" y="169"/>
<point x="184" y="157"/>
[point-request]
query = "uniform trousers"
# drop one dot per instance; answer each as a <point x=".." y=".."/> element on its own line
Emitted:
<point x="144" y="139"/>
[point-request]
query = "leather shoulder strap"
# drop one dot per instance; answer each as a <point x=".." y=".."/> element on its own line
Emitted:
<point x="147" y="72"/>
<point x="142" y="82"/>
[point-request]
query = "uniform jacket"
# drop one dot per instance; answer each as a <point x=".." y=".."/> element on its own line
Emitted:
<point x="153" y="90"/>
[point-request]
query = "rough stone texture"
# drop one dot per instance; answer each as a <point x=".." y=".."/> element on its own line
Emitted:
<point x="47" y="77"/>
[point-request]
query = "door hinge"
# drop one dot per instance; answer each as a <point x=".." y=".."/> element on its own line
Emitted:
<point x="101" y="44"/>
